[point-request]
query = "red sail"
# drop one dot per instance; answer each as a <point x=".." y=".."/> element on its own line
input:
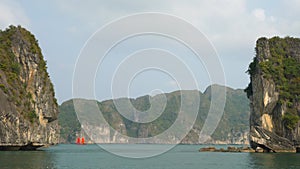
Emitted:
<point x="78" y="140"/>
<point x="82" y="140"/>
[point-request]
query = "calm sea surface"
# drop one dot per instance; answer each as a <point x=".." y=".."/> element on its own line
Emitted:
<point x="180" y="157"/>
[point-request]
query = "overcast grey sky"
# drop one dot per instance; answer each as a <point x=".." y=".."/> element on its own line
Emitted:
<point x="232" y="26"/>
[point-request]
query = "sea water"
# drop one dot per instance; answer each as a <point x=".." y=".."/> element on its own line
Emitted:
<point x="180" y="157"/>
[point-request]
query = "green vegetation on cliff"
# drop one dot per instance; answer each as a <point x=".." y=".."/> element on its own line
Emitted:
<point x="233" y="123"/>
<point x="10" y="83"/>
<point x="28" y="108"/>
<point x="283" y="69"/>
<point x="68" y="121"/>
<point x="278" y="61"/>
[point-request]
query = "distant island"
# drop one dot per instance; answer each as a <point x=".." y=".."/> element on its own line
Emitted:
<point x="274" y="93"/>
<point x="233" y="127"/>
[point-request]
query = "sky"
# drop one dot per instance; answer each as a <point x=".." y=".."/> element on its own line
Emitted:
<point x="231" y="26"/>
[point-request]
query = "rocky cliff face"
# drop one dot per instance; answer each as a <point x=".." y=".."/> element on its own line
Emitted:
<point x="233" y="127"/>
<point x="28" y="108"/>
<point x="274" y="95"/>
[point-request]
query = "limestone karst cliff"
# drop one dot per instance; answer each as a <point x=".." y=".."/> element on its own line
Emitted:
<point x="274" y="93"/>
<point x="28" y="108"/>
<point x="233" y="127"/>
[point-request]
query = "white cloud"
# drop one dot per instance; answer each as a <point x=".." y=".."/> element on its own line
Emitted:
<point x="219" y="20"/>
<point x="233" y="26"/>
<point x="12" y="13"/>
<point x="172" y="84"/>
<point x="295" y="4"/>
<point x="259" y="14"/>
<point x="229" y="24"/>
<point x="273" y="19"/>
<point x="222" y="21"/>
